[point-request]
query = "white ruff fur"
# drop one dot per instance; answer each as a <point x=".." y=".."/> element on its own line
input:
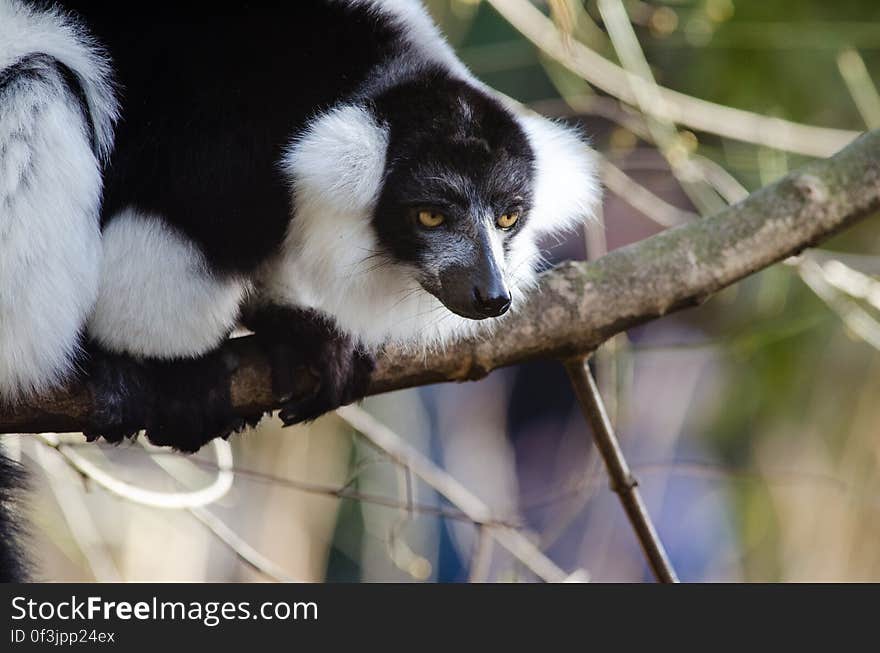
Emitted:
<point x="567" y="190"/>
<point x="332" y="262"/>
<point x="158" y="297"/>
<point x="50" y="186"/>
<point x="420" y="31"/>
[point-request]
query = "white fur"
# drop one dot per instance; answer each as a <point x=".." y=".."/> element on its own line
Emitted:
<point x="158" y="298"/>
<point x="50" y="241"/>
<point x="327" y="262"/>
<point x="419" y="30"/>
<point x="25" y="31"/>
<point x="567" y="189"/>
<point x="157" y="295"/>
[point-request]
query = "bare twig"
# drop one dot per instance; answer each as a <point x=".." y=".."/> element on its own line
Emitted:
<point x="676" y="107"/>
<point x="622" y="480"/>
<point x="663" y="131"/>
<point x="642" y="199"/>
<point x="339" y="492"/>
<point x="481" y="560"/>
<point x="857" y="319"/>
<point x="383" y="438"/>
<point x="194" y="502"/>
<point x="860" y="86"/>
<point x="244" y="551"/>
<point x="165" y="500"/>
<point x="76" y="515"/>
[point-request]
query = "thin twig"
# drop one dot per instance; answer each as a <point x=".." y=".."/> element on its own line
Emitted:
<point x="338" y="492"/>
<point x="860" y="86"/>
<point x="481" y="560"/>
<point x="383" y="438"/>
<point x="80" y="523"/>
<point x="622" y="480"/>
<point x="857" y="319"/>
<point x="642" y="199"/>
<point x="664" y="131"/>
<point x="399" y="551"/>
<point x="244" y="551"/>
<point x="677" y="107"/>
<point x="165" y="500"/>
<point x="712" y="175"/>
<point x="194" y="502"/>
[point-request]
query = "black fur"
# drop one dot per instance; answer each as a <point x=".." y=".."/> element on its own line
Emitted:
<point x="186" y="403"/>
<point x="431" y="137"/>
<point x="210" y="100"/>
<point x="12" y="567"/>
<point x="179" y="403"/>
<point x="211" y="95"/>
<point x="457" y="151"/>
<point x="300" y="341"/>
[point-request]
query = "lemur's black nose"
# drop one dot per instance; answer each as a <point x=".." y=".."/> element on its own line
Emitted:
<point x="492" y="302"/>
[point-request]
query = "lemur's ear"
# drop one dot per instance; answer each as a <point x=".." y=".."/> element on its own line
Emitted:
<point x="339" y="162"/>
<point x="567" y="189"/>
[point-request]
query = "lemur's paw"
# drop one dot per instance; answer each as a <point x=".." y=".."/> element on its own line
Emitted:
<point x="343" y="374"/>
<point x="181" y="403"/>
<point x="193" y="404"/>
<point x="122" y="396"/>
<point x="302" y="344"/>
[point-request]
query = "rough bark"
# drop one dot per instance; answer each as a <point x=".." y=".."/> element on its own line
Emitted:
<point x="580" y="305"/>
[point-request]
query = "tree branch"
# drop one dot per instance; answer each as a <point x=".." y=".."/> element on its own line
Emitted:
<point x="580" y="305"/>
<point x="623" y="483"/>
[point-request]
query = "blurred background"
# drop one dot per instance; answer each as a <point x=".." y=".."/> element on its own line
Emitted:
<point x="752" y="421"/>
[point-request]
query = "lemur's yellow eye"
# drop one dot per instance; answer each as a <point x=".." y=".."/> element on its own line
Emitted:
<point x="507" y="220"/>
<point x="430" y="219"/>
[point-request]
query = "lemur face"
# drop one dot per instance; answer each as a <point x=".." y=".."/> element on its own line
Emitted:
<point x="458" y="190"/>
<point x="419" y="210"/>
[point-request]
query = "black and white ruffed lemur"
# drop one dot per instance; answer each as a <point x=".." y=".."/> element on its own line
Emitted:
<point x="324" y="172"/>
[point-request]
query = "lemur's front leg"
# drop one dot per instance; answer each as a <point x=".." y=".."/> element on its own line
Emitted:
<point x="299" y="340"/>
<point x="182" y="403"/>
<point x="185" y="403"/>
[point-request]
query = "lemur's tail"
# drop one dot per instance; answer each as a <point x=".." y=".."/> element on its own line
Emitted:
<point x="12" y="567"/>
<point x="57" y="112"/>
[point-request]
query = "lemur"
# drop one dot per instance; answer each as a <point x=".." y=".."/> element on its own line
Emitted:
<point x="326" y="173"/>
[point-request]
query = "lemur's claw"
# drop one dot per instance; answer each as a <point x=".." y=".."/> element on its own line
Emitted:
<point x="289" y="414"/>
<point x="347" y="381"/>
